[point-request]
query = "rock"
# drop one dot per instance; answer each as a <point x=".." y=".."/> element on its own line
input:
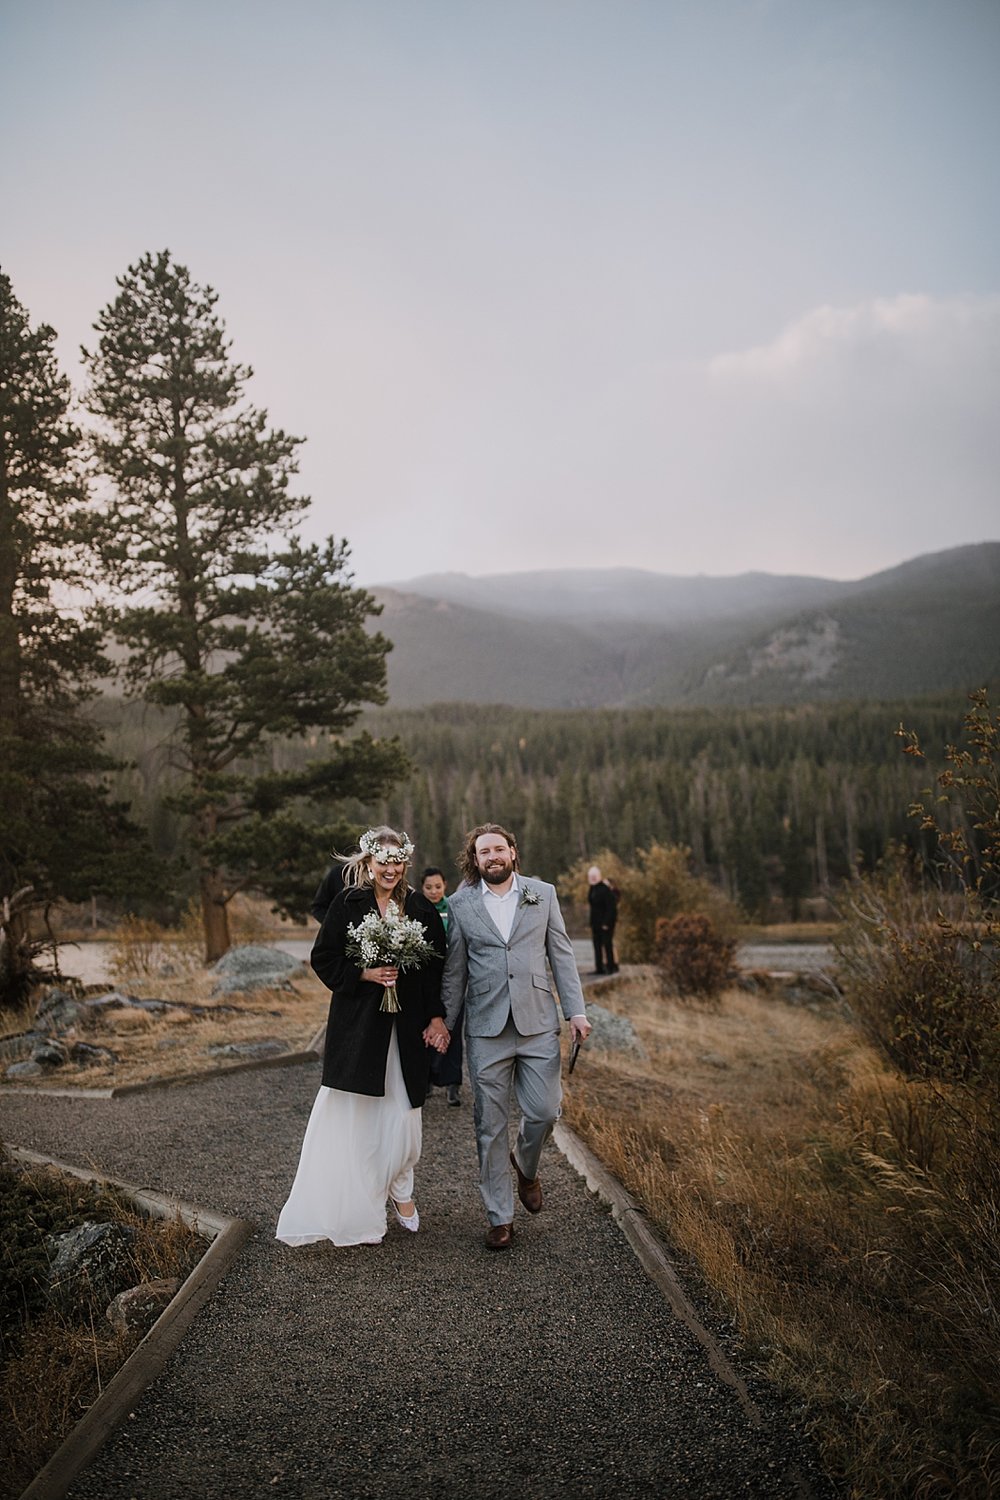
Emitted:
<point x="26" y="1069"/>
<point x="110" y="1000"/>
<point x="754" y="981"/>
<point x="137" y="1308"/>
<point x="713" y="1059"/>
<point x="253" y="967"/>
<point x="57" y="1009"/>
<point x="266" y="1047"/>
<point x="612" y="1033"/>
<point x="87" y="1056"/>
<point x="63" y="1017"/>
<point x="91" y="1264"/>
<point x="49" y="997"/>
<point x="50" y="1053"/>
<point x="18" y="1048"/>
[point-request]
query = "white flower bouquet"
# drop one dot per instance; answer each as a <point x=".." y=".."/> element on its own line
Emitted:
<point x="397" y="941"/>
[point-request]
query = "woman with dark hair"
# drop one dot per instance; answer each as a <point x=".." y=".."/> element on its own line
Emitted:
<point x="364" y="1135"/>
<point x="446" y="1067"/>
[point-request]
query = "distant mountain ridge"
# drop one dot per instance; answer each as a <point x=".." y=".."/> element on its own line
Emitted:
<point x="625" y="637"/>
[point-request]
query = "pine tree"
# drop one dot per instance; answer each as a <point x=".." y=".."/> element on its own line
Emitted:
<point x="60" y="836"/>
<point x="231" y="622"/>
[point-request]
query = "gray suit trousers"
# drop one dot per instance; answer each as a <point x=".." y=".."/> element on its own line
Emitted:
<point x="532" y="1065"/>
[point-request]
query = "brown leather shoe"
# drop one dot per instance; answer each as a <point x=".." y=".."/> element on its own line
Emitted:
<point x="528" y="1190"/>
<point x="499" y="1236"/>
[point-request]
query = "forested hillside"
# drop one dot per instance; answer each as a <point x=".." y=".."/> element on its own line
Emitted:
<point x="781" y="802"/>
<point x="775" y="804"/>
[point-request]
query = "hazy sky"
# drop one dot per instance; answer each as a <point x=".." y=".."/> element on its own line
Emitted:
<point x="695" y="287"/>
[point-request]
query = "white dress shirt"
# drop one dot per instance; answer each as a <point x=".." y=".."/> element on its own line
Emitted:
<point x="501" y="909"/>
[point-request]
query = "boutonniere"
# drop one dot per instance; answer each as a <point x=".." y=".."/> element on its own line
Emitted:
<point x="529" y="897"/>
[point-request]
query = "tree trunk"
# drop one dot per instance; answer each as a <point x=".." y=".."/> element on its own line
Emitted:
<point x="214" y="915"/>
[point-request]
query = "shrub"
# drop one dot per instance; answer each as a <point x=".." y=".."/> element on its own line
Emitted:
<point x="662" y="885"/>
<point x="692" y="956"/>
<point x="924" y="994"/>
<point x="138" y="949"/>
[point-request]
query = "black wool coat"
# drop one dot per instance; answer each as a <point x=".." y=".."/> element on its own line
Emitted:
<point x="358" y="1031"/>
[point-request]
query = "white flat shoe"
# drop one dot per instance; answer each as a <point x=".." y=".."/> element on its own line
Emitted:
<point x="408" y="1221"/>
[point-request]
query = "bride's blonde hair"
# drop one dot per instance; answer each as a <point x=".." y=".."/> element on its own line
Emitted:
<point x="357" y="870"/>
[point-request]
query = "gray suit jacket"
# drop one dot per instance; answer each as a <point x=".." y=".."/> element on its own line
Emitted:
<point x="497" y="979"/>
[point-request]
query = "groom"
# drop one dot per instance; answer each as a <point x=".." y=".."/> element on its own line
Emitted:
<point x="501" y="928"/>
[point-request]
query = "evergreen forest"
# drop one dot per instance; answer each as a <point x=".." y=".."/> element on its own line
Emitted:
<point x="778" y="806"/>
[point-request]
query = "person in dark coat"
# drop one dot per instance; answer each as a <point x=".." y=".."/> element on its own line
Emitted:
<point x="603" y="901"/>
<point x="364" y="1134"/>
<point x="357" y="1031"/>
<point x="327" y="891"/>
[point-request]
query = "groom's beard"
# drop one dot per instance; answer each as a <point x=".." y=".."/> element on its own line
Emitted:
<point x="496" y="876"/>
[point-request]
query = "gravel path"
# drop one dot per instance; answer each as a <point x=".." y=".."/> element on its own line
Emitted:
<point x="424" y="1366"/>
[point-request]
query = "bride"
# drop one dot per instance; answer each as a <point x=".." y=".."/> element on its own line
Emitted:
<point x="364" y="1133"/>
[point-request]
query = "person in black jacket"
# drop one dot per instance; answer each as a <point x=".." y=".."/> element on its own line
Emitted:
<point x="603" y="900"/>
<point x="328" y="890"/>
<point x="363" y="1138"/>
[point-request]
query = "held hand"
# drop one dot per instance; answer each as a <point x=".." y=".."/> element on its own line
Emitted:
<point x="383" y="974"/>
<point x="437" y="1035"/>
<point x="580" y="1027"/>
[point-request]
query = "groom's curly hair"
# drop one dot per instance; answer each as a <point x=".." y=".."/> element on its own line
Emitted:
<point x="467" y="866"/>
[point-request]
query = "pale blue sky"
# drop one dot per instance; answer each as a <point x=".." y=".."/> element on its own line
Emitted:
<point x="695" y="287"/>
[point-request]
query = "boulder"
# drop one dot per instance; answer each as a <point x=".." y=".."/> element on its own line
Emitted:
<point x="51" y="1053"/>
<point x="137" y="1308"/>
<point x="243" y="1051"/>
<point x="612" y="1033"/>
<point x="87" y="1056"/>
<point x="17" y="1048"/>
<point x="57" y="1009"/>
<point x="254" y="967"/>
<point x="50" y="997"/>
<point x="109" y="1000"/>
<point x="91" y="1264"/>
<point x="26" y="1069"/>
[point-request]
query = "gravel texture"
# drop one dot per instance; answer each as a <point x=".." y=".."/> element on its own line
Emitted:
<point x="424" y="1366"/>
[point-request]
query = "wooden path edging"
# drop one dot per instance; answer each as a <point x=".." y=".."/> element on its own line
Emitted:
<point x="151" y="1354"/>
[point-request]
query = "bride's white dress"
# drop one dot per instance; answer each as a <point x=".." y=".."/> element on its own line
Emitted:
<point x="358" y="1151"/>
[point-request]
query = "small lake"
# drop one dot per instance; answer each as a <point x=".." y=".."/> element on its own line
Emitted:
<point x="89" y="962"/>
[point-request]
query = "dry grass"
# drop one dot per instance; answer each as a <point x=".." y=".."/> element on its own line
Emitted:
<point x="58" y="1364"/>
<point x="760" y="1137"/>
<point x="175" y="1043"/>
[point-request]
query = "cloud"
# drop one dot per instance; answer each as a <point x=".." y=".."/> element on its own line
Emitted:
<point x="857" y="436"/>
<point x="912" y="333"/>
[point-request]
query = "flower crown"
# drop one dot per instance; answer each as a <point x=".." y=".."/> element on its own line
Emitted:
<point x="386" y="854"/>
